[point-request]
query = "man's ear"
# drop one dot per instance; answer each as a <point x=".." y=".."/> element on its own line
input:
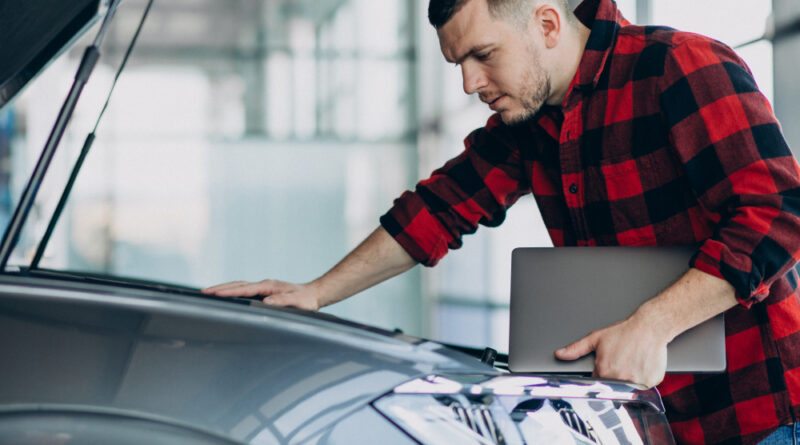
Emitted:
<point x="546" y="20"/>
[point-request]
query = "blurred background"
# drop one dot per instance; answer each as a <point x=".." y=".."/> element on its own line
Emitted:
<point x="253" y="139"/>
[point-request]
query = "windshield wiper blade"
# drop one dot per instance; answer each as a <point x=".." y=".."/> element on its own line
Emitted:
<point x="87" y="145"/>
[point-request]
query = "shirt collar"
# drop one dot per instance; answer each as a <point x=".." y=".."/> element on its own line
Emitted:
<point x="604" y="20"/>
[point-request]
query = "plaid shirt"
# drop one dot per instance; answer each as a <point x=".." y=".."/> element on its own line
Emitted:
<point x="663" y="139"/>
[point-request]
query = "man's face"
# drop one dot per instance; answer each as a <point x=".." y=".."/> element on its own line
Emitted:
<point x="499" y="60"/>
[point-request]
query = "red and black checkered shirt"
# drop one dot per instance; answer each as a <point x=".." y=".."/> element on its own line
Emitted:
<point x="662" y="139"/>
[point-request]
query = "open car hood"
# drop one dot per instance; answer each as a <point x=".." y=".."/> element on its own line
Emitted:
<point x="34" y="33"/>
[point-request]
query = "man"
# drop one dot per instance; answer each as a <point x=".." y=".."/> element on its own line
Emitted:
<point x="625" y="135"/>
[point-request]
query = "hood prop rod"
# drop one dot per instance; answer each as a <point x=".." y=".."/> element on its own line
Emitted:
<point x="90" y="57"/>
<point x="87" y="145"/>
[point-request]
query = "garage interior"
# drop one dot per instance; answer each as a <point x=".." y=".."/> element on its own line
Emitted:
<point x="253" y="139"/>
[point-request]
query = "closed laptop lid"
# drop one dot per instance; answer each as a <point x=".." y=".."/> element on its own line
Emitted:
<point x="559" y="295"/>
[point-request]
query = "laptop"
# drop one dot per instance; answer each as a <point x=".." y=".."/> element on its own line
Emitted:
<point x="559" y="295"/>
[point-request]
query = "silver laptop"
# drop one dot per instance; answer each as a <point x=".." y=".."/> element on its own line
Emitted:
<point x="559" y="295"/>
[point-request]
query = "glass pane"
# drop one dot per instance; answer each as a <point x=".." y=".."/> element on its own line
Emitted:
<point x="463" y="325"/>
<point x="246" y="146"/>
<point x="734" y="22"/>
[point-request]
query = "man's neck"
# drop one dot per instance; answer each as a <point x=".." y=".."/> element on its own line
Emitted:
<point x="575" y="39"/>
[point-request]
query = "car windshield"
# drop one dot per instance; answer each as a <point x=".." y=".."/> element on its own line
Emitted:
<point x="250" y="140"/>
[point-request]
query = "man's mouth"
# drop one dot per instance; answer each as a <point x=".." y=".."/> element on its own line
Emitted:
<point x="494" y="103"/>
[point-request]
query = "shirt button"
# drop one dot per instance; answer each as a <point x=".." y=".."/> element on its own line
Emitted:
<point x="573" y="189"/>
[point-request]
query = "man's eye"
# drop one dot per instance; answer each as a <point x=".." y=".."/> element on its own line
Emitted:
<point x="483" y="56"/>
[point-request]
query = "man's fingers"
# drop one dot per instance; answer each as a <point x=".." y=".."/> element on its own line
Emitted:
<point x="290" y="299"/>
<point x="577" y="349"/>
<point x="272" y="292"/>
<point x="278" y="300"/>
<point x="223" y="287"/>
<point x="246" y="289"/>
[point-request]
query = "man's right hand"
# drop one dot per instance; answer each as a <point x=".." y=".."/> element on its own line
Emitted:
<point x="377" y="258"/>
<point x="278" y="293"/>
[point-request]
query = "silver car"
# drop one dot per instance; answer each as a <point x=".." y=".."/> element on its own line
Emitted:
<point x="90" y="359"/>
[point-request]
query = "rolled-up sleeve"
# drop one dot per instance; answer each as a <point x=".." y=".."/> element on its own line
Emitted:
<point x="476" y="187"/>
<point x="738" y="163"/>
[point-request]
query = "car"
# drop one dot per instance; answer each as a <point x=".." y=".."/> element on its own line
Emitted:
<point x="93" y="358"/>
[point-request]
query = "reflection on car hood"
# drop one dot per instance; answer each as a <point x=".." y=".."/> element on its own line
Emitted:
<point x="203" y="362"/>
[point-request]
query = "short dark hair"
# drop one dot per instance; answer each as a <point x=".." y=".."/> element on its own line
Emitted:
<point x="441" y="11"/>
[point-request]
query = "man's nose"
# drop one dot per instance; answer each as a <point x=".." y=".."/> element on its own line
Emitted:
<point x="474" y="77"/>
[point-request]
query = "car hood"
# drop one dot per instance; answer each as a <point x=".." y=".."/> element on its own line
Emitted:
<point x="207" y="363"/>
<point x="34" y="33"/>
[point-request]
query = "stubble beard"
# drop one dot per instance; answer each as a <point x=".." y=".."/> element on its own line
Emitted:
<point x="536" y="89"/>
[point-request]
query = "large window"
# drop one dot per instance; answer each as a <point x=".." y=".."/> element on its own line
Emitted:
<point x="732" y="22"/>
<point x="246" y="140"/>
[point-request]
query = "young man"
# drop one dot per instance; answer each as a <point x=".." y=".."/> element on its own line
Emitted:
<point x="625" y="135"/>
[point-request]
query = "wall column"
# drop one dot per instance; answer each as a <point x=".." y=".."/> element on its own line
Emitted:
<point x="786" y="62"/>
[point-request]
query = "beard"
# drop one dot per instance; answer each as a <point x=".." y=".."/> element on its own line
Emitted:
<point x="536" y="88"/>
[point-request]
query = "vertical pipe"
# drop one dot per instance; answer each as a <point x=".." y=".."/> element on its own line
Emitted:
<point x="786" y="51"/>
<point x="644" y="12"/>
<point x="255" y="76"/>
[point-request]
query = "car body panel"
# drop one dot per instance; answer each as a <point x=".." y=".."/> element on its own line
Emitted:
<point x="363" y="426"/>
<point x="212" y="364"/>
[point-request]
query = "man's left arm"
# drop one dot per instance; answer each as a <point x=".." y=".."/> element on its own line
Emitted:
<point x="635" y="349"/>
<point x="745" y="178"/>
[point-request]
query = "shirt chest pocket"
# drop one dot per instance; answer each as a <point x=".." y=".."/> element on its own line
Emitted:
<point x="628" y="176"/>
<point x="617" y="206"/>
<point x="618" y="180"/>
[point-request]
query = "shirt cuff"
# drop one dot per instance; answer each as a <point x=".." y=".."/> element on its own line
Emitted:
<point x="417" y="236"/>
<point x="708" y="260"/>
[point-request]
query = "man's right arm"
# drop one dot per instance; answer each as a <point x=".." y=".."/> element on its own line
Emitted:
<point x="378" y="258"/>
<point x="474" y="188"/>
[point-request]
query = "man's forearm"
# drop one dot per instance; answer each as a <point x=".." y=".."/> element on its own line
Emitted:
<point x="693" y="299"/>
<point x="635" y="349"/>
<point x="378" y="258"/>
